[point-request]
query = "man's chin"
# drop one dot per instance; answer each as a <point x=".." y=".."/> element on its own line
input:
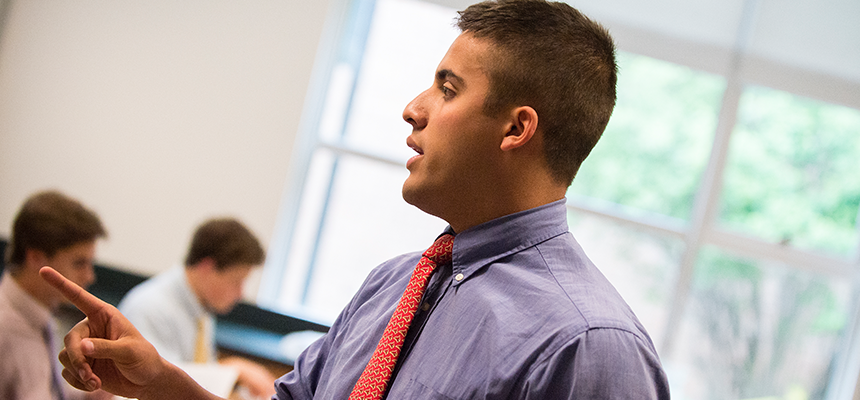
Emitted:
<point x="410" y="194"/>
<point x="220" y="309"/>
<point x="423" y="200"/>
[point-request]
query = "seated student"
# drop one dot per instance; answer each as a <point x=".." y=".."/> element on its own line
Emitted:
<point x="50" y="229"/>
<point x="174" y="310"/>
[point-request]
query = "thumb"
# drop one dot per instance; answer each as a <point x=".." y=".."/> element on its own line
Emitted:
<point x="133" y="357"/>
<point x="115" y="350"/>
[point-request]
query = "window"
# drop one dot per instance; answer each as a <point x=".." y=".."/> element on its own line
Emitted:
<point x="723" y="209"/>
<point x="656" y="145"/>
<point x="791" y="175"/>
<point x="350" y="203"/>
<point x="755" y="328"/>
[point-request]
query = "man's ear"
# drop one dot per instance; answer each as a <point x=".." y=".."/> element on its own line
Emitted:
<point x="35" y="257"/>
<point x="206" y="264"/>
<point x="523" y="125"/>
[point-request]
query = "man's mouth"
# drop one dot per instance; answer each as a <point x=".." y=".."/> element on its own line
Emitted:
<point x="417" y="150"/>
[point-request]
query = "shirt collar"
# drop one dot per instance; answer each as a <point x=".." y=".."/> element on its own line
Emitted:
<point x="35" y="313"/>
<point x="485" y="243"/>
<point x="189" y="299"/>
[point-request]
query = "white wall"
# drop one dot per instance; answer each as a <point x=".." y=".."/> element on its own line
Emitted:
<point x="157" y="114"/>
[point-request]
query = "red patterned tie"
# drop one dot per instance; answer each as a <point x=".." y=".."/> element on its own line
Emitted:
<point x="373" y="381"/>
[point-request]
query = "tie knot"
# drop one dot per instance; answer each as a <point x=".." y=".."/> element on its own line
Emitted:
<point x="440" y="251"/>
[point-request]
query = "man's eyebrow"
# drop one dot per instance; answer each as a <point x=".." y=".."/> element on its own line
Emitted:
<point x="448" y="75"/>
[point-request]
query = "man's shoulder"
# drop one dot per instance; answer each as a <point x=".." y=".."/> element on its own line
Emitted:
<point x="14" y="323"/>
<point x="396" y="267"/>
<point x="393" y="270"/>
<point x="17" y="336"/>
<point x="583" y="288"/>
<point x="150" y="295"/>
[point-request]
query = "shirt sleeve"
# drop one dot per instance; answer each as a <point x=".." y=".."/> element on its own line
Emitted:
<point x="315" y="370"/>
<point x="301" y="383"/>
<point x="599" y="364"/>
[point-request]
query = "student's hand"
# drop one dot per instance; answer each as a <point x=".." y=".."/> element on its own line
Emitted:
<point x="105" y="351"/>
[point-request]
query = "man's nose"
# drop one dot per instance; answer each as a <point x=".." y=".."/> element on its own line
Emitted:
<point x="415" y="113"/>
<point x="89" y="276"/>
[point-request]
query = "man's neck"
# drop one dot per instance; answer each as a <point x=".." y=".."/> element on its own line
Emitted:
<point x="499" y="206"/>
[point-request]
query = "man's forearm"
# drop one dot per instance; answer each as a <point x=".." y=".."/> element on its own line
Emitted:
<point x="176" y="384"/>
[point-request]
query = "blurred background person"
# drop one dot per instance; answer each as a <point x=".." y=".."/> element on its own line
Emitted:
<point x="176" y="309"/>
<point x="49" y="229"/>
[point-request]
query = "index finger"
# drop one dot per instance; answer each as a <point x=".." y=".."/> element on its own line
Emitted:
<point x="82" y="299"/>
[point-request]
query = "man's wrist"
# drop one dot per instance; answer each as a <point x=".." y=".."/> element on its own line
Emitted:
<point x="173" y="382"/>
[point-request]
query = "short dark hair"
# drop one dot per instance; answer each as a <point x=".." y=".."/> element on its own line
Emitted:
<point x="227" y="241"/>
<point x="50" y="221"/>
<point x="551" y="57"/>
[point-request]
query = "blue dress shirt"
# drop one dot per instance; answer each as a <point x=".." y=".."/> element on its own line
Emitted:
<point x="520" y="313"/>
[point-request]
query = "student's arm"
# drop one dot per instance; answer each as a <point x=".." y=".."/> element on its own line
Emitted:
<point x="105" y="351"/>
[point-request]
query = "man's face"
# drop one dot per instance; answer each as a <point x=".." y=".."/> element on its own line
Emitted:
<point x="457" y="144"/>
<point x="75" y="263"/>
<point x="220" y="290"/>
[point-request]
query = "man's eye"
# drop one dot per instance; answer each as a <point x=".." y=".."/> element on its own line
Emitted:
<point x="446" y="91"/>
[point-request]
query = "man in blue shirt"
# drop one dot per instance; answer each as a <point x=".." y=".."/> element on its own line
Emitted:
<point x="518" y="102"/>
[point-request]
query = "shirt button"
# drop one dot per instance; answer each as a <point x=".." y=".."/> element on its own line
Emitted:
<point x="425" y="306"/>
<point x="459" y="277"/>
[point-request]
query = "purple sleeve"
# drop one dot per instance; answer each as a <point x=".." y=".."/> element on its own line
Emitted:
<point x="300" y="383"/>
<point x="600" y="364"/>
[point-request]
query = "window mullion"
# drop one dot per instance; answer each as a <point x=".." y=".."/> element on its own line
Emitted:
<point x="708" y="195"/>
